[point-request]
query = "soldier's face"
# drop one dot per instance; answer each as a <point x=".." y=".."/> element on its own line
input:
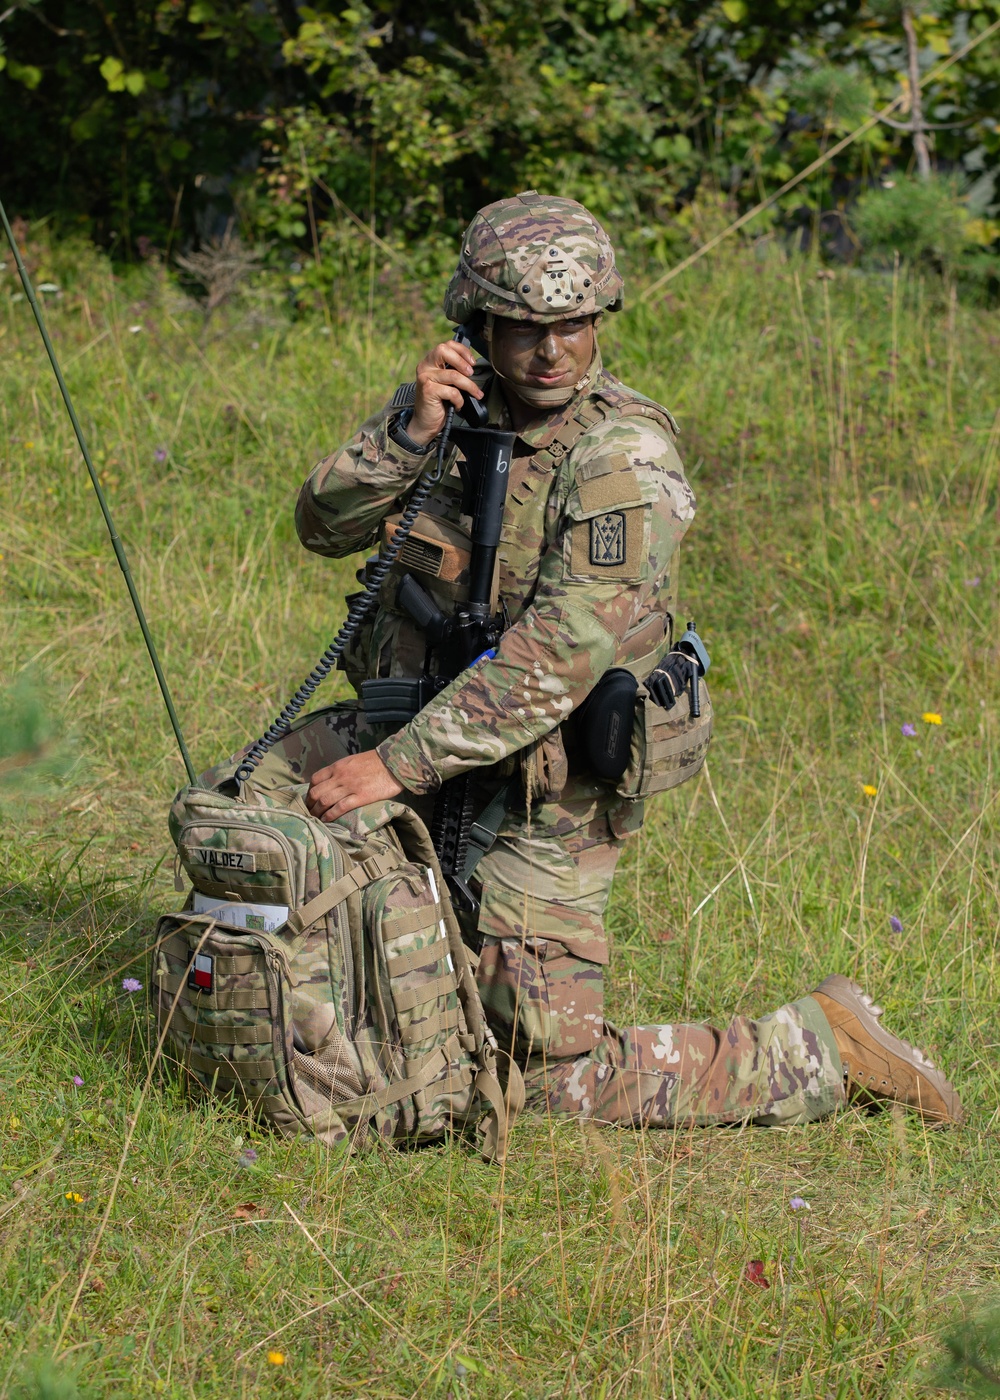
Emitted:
<point x="553" y="356"/>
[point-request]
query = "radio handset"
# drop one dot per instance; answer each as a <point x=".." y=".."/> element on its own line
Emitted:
<point x="473" y="411"/>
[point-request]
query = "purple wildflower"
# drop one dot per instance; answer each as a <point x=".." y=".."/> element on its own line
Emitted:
<point x="160" y="455"/>
<point x="247" y="1157"/>
<point x="799" y="1203"/>
<point x="895" y="923"/>
<point x="78" y="1081"/>
<point x="131" y="984"/>
<point x="909" y="731"/>
<point x="972" y="582"/>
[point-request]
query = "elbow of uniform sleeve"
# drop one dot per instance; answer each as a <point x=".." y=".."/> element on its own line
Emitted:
<point x="314" y="524"/>
<point x="307" y="525"/>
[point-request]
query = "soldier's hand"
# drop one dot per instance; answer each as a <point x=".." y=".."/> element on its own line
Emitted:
<point x="350" y="782"/>
<point x="442" y="375"/>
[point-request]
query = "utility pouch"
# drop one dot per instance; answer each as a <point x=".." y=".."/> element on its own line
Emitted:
<point x="353" y="660"/>
<point x="434" y="548"/>
<point x="667" y="747"/>
<point x="439" y="555"/>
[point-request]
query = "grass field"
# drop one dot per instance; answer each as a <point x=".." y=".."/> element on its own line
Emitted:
<point x="843" y="438"/>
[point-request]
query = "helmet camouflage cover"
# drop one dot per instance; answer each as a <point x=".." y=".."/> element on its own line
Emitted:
<point x="534" y="258"/>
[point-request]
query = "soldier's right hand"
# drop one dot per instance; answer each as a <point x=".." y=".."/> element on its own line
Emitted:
<point x="442" y="375"/>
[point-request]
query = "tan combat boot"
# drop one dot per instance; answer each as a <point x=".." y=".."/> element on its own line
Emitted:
<point x="877" y="1063"/>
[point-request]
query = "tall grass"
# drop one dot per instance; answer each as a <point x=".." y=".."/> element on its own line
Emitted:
<point x="843" y="438"/>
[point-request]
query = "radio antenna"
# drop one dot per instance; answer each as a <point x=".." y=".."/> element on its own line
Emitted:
<point x="116" y="543"/>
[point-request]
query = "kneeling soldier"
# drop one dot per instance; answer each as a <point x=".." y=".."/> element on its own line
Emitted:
<point x="597" y="505"/>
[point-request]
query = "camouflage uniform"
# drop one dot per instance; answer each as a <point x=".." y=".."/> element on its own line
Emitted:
<point x="597" y="505"/>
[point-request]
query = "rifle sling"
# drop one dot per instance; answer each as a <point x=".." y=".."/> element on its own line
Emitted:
<point x="483" y="831"/>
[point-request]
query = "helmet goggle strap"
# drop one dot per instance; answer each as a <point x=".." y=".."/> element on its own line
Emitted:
<point x="539" y="398"/>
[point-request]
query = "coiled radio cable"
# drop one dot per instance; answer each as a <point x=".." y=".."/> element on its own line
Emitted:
<point x="356" y="614"/>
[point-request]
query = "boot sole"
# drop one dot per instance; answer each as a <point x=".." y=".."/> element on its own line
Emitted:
<point x="850" y="996"/>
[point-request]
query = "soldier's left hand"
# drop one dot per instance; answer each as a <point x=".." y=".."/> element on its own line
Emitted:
<point x="350" y="782"/>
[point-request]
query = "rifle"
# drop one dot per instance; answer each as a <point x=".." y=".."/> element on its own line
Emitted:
<point x="461" y="641"/>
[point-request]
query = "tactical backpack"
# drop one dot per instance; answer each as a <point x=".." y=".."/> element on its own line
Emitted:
<point x="317" y="972"/>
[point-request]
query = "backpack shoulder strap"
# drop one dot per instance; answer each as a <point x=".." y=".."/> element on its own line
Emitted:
<point x="371" y="864"/>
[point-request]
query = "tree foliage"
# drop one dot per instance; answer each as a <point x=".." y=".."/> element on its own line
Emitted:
<point x="156" y="120"/>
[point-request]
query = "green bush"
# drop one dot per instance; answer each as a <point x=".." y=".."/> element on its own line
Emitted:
<point x="153" y="124"/>
<point x="924" y="221"/>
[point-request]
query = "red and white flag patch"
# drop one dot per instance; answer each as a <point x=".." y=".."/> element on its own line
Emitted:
<point x="200" y="973"/>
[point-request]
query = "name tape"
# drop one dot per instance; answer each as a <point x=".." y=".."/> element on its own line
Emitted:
<point x="222" y="860"/>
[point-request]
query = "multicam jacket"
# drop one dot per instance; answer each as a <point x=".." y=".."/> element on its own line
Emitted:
<point x="597" y="505"/>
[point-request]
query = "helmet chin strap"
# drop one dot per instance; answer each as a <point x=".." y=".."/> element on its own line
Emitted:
<point x="537" y="397"/>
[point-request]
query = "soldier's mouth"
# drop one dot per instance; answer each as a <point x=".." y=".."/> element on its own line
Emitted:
<point x="549" y="379"/>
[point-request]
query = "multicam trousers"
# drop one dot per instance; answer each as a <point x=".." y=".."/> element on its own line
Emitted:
<point x="541" y="977"/>
<point x="544" y="890"/>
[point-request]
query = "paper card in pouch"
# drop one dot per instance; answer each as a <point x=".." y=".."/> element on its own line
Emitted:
<point x="256" y="918"/>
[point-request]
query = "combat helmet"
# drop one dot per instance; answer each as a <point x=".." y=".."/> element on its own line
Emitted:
<point x="534" y="258"/>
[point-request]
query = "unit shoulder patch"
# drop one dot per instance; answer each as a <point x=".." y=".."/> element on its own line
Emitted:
<point x="611" y="545"/>
<point x="607" y="539"/>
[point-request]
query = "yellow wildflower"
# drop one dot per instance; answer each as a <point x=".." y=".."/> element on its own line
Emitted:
<point x="15" y="1122"/>
<point x="929" y="717"/>
<point x="276" y="1358"/>
<point x="75" y="1197"/>
<point x="869" y="790"/>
